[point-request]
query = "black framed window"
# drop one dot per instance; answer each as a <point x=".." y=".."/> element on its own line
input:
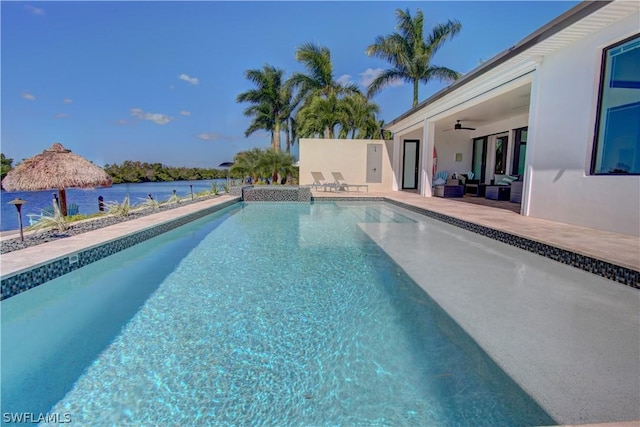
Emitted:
<point x="617" y="137"/>
<point x="502" y="143"/>
<point x="519" y="151"/>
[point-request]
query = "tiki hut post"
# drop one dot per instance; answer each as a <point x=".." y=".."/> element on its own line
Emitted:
<point x="56" y="168"/>
<point x="63" y="201"/>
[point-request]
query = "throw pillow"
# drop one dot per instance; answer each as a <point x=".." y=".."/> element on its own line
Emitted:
<point x="507" y="180"/>
<point x="439" y="181"/>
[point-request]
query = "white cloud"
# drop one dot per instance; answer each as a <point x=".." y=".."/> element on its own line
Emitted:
<point x="209" y="136"/>
<point x="344" y="79"/>
<point x="61" y="115"/>
<point x="157" y="118"/>
<point x="190" y="80"/>
<point x="122" y="122"/>
<point x="370" y="74"/>
<point x="185" y="113"/>
<point x="67" y="100"/>
<point x="28" y="96"/>
<point x="34" y="10"/>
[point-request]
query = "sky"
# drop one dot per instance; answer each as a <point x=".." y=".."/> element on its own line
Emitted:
<point x="157" y="81"/>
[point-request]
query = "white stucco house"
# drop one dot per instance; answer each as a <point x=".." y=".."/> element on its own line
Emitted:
<point x="560" y="109"/>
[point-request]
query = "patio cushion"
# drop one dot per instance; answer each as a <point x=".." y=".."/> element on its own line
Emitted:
<point x="507" y="180"/>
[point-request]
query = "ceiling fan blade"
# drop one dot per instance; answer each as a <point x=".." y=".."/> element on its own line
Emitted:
<point x="468" y="128"/>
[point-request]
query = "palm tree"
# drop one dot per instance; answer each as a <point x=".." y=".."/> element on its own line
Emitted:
<point x="318" y="83"/>
<point x="247" y="163"/>
<point x="359" y="117"/>
<point x="290" y="102"/>
<point x="319" y="117"/>
<point x="274" y="163"/>
<point x="268" y="102"/>
<point x="410" y="55"/>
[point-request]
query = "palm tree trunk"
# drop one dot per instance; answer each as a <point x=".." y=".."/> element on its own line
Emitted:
<point x="276" y="137"/>
<point x="288" y="139"/>
<point x="415" y="93"/>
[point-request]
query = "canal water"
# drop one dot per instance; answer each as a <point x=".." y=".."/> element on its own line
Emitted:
<point x="87" y="199"/>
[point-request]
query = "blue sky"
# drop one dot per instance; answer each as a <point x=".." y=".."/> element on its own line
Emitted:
<point x="157" y="81"/>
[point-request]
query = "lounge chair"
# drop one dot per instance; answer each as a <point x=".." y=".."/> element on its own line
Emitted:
<point x="319" y="181"/>
<point x="342" y="183"/>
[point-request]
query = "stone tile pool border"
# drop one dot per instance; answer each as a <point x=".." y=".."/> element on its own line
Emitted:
<point x="25" y="280"/>
<point x="605" y="269"/>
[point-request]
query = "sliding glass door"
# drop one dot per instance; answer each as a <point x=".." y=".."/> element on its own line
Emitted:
<point x="479" y="160"/>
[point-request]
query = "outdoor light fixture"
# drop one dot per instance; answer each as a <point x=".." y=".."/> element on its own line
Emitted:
<point x="18" y="204"/>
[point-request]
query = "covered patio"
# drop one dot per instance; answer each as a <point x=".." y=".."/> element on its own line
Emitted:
<point x="485" y="134"/>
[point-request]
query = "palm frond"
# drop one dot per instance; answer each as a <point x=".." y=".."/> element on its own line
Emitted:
<point x="383" y="79"/>
<point x="441" y="33"/>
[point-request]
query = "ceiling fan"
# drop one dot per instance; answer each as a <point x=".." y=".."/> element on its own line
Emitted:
<point x="458" y="126"/>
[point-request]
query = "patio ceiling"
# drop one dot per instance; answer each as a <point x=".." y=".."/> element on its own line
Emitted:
<point x="506" y="105"/>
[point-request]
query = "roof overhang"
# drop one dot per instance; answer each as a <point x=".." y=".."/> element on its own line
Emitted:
<point x="520" y="59"/>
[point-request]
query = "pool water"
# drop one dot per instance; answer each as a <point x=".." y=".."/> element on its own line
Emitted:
<point x="261" y="314"/>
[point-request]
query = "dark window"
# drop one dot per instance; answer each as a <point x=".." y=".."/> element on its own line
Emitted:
<point x="519" y="151"/>
<point x="501" y="155"/>
<point x="617" y="136"/>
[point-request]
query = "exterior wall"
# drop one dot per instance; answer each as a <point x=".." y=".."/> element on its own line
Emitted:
<point x="348" y="156"/>
<point x="562" y="188"/>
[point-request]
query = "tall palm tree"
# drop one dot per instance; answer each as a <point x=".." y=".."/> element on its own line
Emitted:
<point x="268" y="101"/>
<point x="290" y="102"/>
<point x="410" y="54"/>
<point x="318" y="83"/>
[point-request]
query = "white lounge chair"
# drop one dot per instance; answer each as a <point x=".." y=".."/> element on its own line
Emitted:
<point x="342" y="183"/>
<point x="319" y="181"/>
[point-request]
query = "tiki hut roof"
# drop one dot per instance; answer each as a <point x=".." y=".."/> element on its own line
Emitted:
<point x="55" y="168"/>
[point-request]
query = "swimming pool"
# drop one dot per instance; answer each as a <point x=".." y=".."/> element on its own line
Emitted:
<point x="258" y="314"/>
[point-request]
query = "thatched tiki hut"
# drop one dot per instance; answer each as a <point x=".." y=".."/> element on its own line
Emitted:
<point x="55" y="168"/>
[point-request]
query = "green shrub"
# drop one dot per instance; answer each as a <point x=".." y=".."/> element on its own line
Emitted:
<point x="119" y="209"/>
<point x="56" y="221"/>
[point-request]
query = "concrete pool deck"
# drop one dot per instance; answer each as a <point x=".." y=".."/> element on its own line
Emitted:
<point x="551" y="319"/>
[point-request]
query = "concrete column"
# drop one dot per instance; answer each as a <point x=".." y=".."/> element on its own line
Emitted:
<point x="396" y="162"/>
<point x="529" y="160"/>
<point x="426" y="156"/>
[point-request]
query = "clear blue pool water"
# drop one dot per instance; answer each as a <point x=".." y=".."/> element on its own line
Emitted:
<point x="261" y="314"/>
